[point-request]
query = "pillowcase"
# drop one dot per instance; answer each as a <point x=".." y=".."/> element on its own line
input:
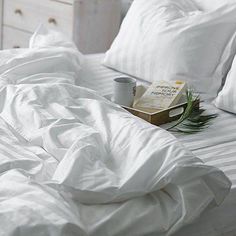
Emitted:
<point x="174" y="40"/>
<point x="209" y="5"/>
<point x="226" y="99"/>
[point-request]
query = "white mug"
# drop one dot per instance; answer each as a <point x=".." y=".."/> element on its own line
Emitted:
<point x="124" y="91"/>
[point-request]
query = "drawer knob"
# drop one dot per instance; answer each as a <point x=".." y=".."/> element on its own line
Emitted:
<point x="18" y="11"/>
<point x="52" y="21"/>
<point x="16" y="46"/>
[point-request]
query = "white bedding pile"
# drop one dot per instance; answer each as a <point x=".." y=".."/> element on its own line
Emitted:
<point x="73" y="163"/>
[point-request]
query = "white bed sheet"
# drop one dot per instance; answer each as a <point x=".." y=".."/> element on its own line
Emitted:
<point x="215" y="146"/>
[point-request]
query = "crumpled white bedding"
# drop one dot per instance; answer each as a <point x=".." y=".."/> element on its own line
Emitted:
<point x="73" y="163"/>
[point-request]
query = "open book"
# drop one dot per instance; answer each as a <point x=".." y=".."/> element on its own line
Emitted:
<point x="161" y="95"/>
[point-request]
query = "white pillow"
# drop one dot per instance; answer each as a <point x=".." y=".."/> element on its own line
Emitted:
<point x="226" y="99"/>
<point x="210" y="5"/>
<point x="169" y="39"/>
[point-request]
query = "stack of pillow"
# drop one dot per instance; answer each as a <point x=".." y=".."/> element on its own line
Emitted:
<point x="188" y="40"/>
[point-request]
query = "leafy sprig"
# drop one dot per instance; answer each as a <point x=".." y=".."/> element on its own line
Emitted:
<point x="192" y="120"/>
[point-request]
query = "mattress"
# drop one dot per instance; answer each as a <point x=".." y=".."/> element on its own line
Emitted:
<point x="215" y="146"/>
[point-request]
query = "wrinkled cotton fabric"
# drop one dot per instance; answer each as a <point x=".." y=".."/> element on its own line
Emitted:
<point x="74" y="163"/>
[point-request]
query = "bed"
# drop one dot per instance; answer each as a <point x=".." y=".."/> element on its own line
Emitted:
<point x="215" y="146"/>
<point x="74" y="163"/>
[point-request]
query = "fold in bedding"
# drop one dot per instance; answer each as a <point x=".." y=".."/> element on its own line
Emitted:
<point x="74" y="163"/>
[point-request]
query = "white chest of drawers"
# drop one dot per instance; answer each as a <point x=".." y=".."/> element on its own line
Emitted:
<point x="92" y="24"/>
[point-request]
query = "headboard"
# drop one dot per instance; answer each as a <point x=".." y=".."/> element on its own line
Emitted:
<point x="125" y="6"/>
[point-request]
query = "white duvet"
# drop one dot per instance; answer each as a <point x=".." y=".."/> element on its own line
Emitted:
<point x="73" y="163"/>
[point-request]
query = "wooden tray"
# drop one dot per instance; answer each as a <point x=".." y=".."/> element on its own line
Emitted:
<point x="163" y="116"/>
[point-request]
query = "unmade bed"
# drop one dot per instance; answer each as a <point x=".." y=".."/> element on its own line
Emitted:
<point x="215" y="146"/>
<point x="74" y="163"/>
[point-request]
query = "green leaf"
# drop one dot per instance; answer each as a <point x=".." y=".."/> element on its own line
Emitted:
<point x="193" y="119"/>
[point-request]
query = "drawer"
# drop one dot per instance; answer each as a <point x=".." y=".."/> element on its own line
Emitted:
<point x="28" y="14"/>
<point x="13" y="38"/>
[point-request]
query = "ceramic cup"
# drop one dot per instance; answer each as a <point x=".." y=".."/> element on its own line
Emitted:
<point x="124" y="91"/>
